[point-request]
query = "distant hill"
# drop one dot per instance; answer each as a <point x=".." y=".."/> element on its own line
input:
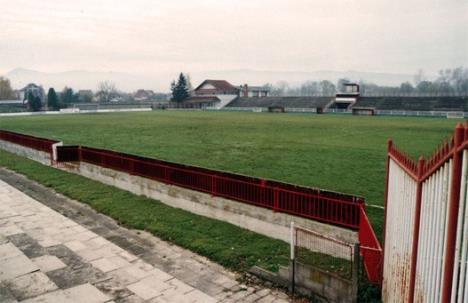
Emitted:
<point x="19" y="77"/>
<point x="78" y="79"/>
<point x="296" y="77"/>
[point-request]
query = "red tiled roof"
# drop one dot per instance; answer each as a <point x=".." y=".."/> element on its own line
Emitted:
<point x="218" y="84"/>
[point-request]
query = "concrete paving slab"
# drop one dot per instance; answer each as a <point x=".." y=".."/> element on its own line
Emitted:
<point x="149" y="287"/>
<point x="16" y="266"/>
<point x="110" y="263"/>
<point x="8" y="250"/>
<point x="48" y="250"/>
<point x="30" y="285"/>
<point x="48" y="263"/>
<point x="85" y="293"/>
<point x="10" y="230"/>
<point x="75" y="245"/>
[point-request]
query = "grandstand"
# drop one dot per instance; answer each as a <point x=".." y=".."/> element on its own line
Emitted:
<point x="315" y="103"/>
<point x="391" y="105"/>
<point x="415" y="103"/>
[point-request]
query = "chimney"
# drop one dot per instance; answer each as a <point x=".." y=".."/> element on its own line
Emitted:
<point x="245" y="91"/>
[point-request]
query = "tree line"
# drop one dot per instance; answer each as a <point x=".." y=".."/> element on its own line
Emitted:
<point x="448" y="82"/>
<point x="106" y="92"/>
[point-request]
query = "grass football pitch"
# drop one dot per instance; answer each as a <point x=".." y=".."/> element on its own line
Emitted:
<point x="336" y="152"/>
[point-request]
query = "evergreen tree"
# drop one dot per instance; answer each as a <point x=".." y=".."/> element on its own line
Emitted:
<point x="34" y="102"/>
<point x="52" y="99"/>
<point x="67" y="95"/>
<point x="179" y="89"/>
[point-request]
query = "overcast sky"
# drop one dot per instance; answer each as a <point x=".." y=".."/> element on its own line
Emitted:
<point x="146" y="36"/>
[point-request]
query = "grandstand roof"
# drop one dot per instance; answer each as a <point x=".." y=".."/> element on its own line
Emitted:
<point x="201" y="99"/>
<point x="292" y="102"/>
<point x="415" y="103"/>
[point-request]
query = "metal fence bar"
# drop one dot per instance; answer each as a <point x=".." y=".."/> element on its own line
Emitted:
<point x="460" y="279"/>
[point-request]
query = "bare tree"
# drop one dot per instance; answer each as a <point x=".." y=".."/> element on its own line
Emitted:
<point x="419" y="77"/>
<point x="106" y="91"/>
<point x="6" y="92"/>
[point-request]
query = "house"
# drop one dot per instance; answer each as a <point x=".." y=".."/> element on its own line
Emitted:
<point x="219" y="93"/>
<point x="143" y="95"/>
<point x="254" y="91"/>
<point x="212" y="93"/>
<point x="215" y="87"/>
<point x="35" y="90"/>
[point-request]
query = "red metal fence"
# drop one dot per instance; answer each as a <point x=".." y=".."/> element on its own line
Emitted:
<point x="330" y="207"/>
<point x="371" y="251"/>
<point x="41" y="144"/>
<point x="325" y="206"/>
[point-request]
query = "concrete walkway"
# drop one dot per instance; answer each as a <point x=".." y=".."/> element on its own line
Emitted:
<point x="48" y="257"/>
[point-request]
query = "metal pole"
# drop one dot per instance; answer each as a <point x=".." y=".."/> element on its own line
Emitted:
<point x="389" y="148"/>
<point x="292" y="259"/>
<point x="417" y="221"/>
<point x="449" y="253"/>
<point x="355" y="270"/>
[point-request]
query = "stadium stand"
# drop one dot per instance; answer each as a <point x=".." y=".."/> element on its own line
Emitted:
<point x="285" y="102"/>
<point x="415" y="103"/>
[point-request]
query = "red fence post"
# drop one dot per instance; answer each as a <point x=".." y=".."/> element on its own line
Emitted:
<point x="452" y="214"/>
<point x="275" y="199"/>
<point x="389" y="148"/>
<point x="213" y="185"/>
<point x="417" y="221"/>
<point x="80" y="157"/>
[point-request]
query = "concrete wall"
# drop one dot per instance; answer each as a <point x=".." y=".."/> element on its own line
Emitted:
<point x="76" y="111"/>
<point x="260" y="220"/>
<point x="312" y="282"/>
<point x="30" y="153"/>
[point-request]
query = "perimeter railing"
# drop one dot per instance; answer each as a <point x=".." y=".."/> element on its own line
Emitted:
<point x="37" y="143"/>
<point x="325" y="206"/>
<point x="317" y="204"/>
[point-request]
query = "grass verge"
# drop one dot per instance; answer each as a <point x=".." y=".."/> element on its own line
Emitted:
<point x="224" y="243"/>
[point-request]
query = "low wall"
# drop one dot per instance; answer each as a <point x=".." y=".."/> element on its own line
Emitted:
<point x="76" y="111"/>
<point x="322" y="286"/>
<point x="257" y="219"/>
<point x="315" y="282"/>
<point x="30" y="153"/>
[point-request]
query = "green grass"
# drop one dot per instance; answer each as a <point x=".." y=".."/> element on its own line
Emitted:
<point x="343" y="153"/>
<point x="335" y="152"/>
<point x="224" y="243"/>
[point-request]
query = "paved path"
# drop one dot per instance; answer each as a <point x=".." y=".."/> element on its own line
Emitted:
<point x="47" y="257"/>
